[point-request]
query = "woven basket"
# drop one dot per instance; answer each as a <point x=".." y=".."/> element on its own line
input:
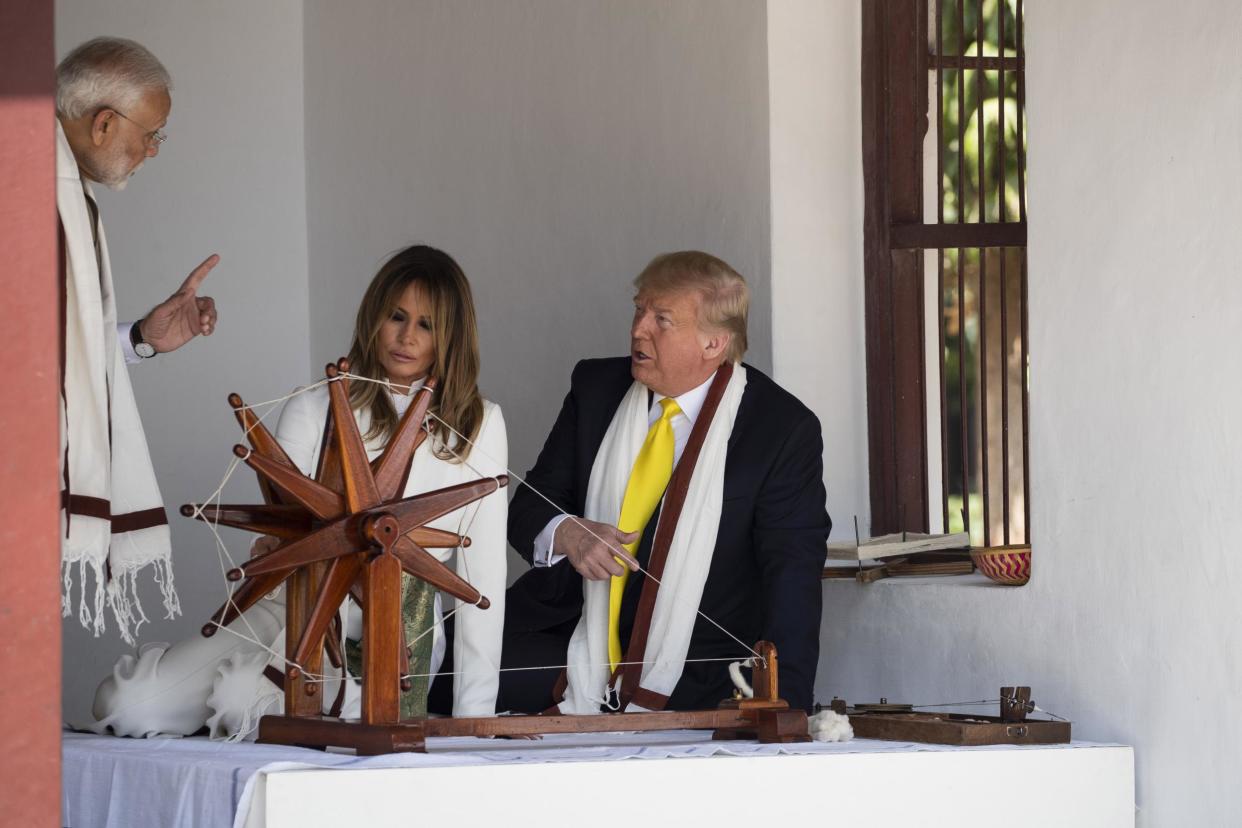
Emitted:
<point x="1009" y="565"/>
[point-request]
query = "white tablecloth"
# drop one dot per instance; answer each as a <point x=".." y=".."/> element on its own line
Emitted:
<point x="111" y="782"/>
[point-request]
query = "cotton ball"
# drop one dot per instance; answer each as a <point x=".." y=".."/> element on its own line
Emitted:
<point x="827" y="726"/>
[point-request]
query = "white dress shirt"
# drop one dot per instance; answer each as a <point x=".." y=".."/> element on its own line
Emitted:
<point x="123" y="330"/>
<point x="690" y="403"/>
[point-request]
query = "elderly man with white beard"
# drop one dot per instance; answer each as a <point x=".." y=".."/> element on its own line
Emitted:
<point x="112" y="105"/>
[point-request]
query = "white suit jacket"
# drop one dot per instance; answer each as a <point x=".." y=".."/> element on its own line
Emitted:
<point x="477" y="637"/>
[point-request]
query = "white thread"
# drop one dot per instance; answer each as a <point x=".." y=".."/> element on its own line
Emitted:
<point x="566" y="666"/>
<point x="1030" y="707"/>
<point x="739" y="681"/>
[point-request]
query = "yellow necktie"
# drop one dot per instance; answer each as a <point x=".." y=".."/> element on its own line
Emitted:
<point x="648" y="480"/>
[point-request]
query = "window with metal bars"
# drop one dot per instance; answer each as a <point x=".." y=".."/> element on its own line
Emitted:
<point x="944" y="161"/>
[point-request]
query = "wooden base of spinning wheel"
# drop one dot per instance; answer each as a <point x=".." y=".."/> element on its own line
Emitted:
<point x="767" y="725"/>
<point x="325" y="731"/>
<point x="765" y="718"/>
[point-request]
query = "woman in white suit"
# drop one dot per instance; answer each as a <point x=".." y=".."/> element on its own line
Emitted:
<point x="416" y="320"/>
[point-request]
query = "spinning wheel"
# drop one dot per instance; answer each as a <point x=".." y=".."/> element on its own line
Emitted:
<point x="345" y="531"/>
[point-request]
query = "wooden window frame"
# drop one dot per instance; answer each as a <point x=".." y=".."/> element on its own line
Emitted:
<point x="896" y="61"/>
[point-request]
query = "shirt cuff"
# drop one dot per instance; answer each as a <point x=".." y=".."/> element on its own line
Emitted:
<point x="543" y="544"/>
<point x="127" y="345"/>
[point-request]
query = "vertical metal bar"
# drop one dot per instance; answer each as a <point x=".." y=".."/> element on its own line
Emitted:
<point x="961" y="119"/>
<point x="1026" y="416"/>
<point x="1004" y="320"/>
<point x="981" y="133"/>
<point x="1000" y="115"/>
<point x="1024" y="366"/>
<point x="963" y="432"/>
<point x="961" y="269"/>
<point x="940" y="297"/>
<point x="925" y="519"/>
<point x="1021" y="131"/>
<point x="1004" y="295"/>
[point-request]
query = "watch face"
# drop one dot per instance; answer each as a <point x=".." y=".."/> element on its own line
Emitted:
<point x="144" y="350"/>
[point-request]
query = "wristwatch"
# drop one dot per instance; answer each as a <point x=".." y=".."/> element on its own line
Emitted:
<point x="142" y="348"/>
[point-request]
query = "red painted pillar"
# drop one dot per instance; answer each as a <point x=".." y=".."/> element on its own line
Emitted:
<point x="29" y="489"/>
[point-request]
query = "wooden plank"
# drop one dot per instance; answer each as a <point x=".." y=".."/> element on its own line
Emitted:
<point x="894" y="123"/>
<point x="957" y="729"/>
<point x="987" y="62"/>
<point x="918" y="236"/>
<point x="896" y="543"/>
<point x="919" y="569"/>
<point x="298" y="601"/>
<point x="381" y="634"/>
<point x="881" y="458"/>
<point x="598" y="723"/>
<point x="324" y="731"/>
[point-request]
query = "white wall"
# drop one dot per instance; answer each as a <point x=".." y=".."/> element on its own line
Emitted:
<point x="229" y="180"/>
<point x="1129" y="626"/>
<point x="814" y="93"/>
<point x="553" y="148"/>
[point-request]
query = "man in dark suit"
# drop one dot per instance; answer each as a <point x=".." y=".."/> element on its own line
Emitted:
<point x="763" y="581"/>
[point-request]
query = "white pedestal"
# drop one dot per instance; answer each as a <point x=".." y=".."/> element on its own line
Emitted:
<point x="1077" y="786"/>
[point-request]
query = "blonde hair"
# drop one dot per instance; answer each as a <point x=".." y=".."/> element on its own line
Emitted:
<point x="726" y="299"/>
<point x="455" y="330"/>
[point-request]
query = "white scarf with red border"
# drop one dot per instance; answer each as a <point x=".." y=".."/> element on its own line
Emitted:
<point x="689" y="554"/>
<point x="113" y="523"/>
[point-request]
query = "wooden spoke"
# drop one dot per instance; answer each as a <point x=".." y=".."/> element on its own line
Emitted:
<point x="392" y="469"/>
<point x="332" y="541"/>
<point x="262" y="441"/>
<point x="418" y="510"/>
<point x="429" y="538"/>
<point x="244" y="597"/>
<point x="289" y="522"/>
<point x="342" y="573"/>
<point x="422" y="564"/>
<point x="360" y="490"/>
<point x="329" y="471"/>
<point x="322" y="502"/>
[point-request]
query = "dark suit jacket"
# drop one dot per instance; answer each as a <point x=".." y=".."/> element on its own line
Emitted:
<point x="764" y="580"/>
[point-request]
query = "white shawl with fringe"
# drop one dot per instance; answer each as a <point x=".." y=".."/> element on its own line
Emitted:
<point x="113" y="523"/>
<point x="689" y="555"/>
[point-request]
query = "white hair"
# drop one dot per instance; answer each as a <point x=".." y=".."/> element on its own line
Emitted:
<point x="107" y="72"/>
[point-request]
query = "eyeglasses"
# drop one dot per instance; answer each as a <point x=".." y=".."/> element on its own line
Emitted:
<point x="154" y="137"/>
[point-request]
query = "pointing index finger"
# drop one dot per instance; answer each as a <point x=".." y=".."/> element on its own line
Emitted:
<point x="198" y="274"/>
